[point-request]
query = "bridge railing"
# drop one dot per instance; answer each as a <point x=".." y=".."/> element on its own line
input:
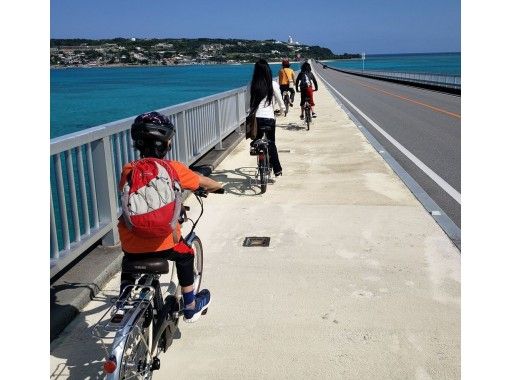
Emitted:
<point x="452" y="81"/>
<point x="446" y="81"/>
<point x="85" y="167"/>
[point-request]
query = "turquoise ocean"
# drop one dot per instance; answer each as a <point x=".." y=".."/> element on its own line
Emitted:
<point x="437" y="63"/>
<point x="82" y="98"/>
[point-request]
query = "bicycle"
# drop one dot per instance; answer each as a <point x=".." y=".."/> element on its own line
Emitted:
<point x="308" y="115"/>
<point x="142" y="325"/>
<point x="261" y="150"/>
<point x="286" y="101"/>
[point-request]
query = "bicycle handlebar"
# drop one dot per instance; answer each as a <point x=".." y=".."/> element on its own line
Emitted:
<point x="201" y="192"/>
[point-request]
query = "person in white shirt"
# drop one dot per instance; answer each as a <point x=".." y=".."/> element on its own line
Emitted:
<point x="261" y="93"/>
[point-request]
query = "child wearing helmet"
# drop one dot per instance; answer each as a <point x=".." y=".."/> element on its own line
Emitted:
<point x="152" y="136"/>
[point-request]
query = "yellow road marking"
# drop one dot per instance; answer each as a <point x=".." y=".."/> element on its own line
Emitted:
<point x="407" y="99"/>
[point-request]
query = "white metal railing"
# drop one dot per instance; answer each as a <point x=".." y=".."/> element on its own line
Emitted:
<point x="85" y="167"/>
<point x="452" y="81"/>
<point x="441" y="80"/>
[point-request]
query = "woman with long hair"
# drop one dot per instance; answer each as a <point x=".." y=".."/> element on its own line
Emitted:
<point x="261" y="93"/>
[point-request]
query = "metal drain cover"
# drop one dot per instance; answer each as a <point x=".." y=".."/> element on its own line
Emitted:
<point x="256" y="241"/>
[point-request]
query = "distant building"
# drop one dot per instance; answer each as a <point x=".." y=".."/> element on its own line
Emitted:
<point x="133" y="39"/>
<point x="290" y="40"/>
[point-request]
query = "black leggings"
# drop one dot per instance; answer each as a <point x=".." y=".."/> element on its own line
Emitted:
<point x="183" y="264"/>
<point x="286" y="87"/>
<point x="270" y="133"/>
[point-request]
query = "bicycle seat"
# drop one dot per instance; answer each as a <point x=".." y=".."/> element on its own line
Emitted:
<point x="156" y="265"/>
<point x="257" y="144"/>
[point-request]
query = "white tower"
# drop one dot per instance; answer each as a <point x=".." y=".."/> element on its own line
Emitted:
<point x="290" y="39"/>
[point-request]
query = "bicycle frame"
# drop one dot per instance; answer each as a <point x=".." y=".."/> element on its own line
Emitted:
<point x="263" y="146"/>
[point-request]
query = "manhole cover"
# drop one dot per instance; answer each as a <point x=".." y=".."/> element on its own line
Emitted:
<point x="256" y="241"/>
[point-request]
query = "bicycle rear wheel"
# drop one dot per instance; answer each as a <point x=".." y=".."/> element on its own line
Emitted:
<point x="286" y="101"/>
<point x="308" y="118"/>
<point x="263" y="164"/>
<point x="136" y="359"/>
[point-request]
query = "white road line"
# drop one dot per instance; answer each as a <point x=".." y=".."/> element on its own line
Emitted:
<point x="437" y="179"/>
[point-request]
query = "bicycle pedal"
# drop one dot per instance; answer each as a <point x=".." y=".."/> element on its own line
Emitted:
<point x="156" y="364"/>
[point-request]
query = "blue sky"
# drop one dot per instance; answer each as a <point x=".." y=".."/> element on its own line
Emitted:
<point x="373" y="26"/>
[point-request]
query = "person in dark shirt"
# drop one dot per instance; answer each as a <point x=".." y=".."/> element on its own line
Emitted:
<point x="306" y="84"/>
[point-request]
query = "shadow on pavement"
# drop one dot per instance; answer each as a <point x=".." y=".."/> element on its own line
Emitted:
<point x="292" y="127"/>
<point x="82" y="352"/>
<point x="241" y="181"/>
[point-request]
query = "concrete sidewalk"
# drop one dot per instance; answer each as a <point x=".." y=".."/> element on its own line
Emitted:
<point x="358" y="282"/>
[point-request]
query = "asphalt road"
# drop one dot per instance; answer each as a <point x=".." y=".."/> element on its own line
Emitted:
<point x="425" y="122"/>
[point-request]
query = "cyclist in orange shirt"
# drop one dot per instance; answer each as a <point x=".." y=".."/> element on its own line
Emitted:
<point x="287" y="80"/>
<point x="152" y="135"/>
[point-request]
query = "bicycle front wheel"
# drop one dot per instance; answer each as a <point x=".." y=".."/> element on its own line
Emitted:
<point x="198" y="262"/>
<point x="198" y="265"/>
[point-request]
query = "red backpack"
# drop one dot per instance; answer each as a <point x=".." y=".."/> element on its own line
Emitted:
<point x="151" y="198"/>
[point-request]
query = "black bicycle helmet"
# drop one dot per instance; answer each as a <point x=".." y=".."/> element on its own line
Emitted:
<point x="151" y="132"/>
<point x="152" y="126"/>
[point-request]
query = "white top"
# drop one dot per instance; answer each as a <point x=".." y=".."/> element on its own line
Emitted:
<point x="265" y="110"/>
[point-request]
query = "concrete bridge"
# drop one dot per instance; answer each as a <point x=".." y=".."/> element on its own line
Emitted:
<point x="359" y="281"/>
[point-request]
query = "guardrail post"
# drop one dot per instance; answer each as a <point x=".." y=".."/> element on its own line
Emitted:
<point x="181" y="138"/>
<point x="53" y="232"/>
<point x="106" y="188"/>
<point x="217" y="120"/>
<point x="239" y="107"/>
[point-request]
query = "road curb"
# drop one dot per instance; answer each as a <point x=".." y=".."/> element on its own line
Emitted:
<point x="80" y="284"/>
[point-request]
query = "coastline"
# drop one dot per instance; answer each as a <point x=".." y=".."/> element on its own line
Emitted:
<point x="85" y="66"/>
<point x="116" y="65"/>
